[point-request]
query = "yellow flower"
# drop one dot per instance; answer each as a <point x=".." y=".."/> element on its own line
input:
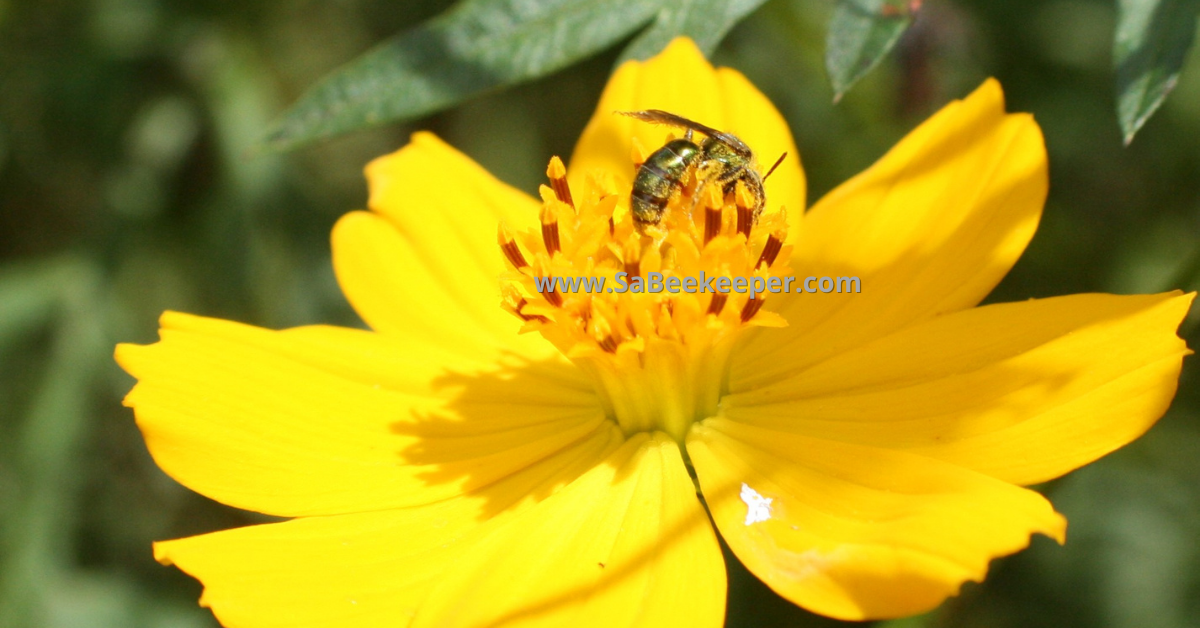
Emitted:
<point x="862" y="453"/>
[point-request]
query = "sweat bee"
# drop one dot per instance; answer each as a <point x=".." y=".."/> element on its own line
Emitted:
<point x="720" y="157"/>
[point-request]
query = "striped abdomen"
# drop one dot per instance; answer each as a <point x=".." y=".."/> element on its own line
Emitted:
<point x="658" y="178"/>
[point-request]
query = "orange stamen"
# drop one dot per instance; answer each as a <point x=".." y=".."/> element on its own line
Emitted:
<point x="771" y="249"/>
<point x="712" y="213"/>
<point x="557" y="173"/>
<point x="745" y="209"/>
<point x="550" y="231"/>
<point x="509" y="246"/>
<point x="717" y="303"/>
<point x="753" y="305"/>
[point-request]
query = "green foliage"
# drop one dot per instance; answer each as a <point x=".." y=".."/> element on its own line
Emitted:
<point x="861" y="33"/>
<point x="482" y="45"/>
<point x="33" y="521"/>
<point x="705" y="21"/>
<point x="1152" y="40"/>
<point x="125" y="190"/>
<point x="478" y="46"/>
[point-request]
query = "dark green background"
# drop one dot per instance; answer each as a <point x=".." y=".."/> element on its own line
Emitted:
<point x="126" y="189"/>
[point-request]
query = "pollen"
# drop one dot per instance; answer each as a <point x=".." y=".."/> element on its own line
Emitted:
<point x="651" y="314"/>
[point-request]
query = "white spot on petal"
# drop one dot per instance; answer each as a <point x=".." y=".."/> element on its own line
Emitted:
<point x="758" y="508"/>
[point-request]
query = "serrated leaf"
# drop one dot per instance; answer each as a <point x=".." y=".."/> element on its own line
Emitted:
<point x="861" y="33"/>
<point x="477" y="46"/>
<point x="705" y="21"/>
<point x="1152" y="39"/>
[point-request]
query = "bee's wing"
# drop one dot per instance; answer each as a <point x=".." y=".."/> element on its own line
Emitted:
<point x="658" y="116"/>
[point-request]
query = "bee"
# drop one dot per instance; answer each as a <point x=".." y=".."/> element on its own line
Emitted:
<point x="721" y="158"/>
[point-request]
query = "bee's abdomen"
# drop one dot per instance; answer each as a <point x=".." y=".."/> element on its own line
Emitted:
<point x="658" y="177"/>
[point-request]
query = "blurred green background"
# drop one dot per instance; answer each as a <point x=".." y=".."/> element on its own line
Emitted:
<point x="126" y="188"/>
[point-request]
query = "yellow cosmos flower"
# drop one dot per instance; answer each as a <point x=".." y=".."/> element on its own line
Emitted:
<point x="862" y="453"/>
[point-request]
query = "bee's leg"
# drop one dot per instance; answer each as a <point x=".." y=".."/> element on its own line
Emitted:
<point x="687" y="135"/>
<point x="705" y="174"/>
<point x="730" y="177"/>
<point x="747" y="216"/>
<point x="712" y="218"/>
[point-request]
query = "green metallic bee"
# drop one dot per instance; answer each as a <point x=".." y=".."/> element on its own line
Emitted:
<point x="720" y="158"/>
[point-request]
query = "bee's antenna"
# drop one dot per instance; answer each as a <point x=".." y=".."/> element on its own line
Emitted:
<point x="777" y="162"/>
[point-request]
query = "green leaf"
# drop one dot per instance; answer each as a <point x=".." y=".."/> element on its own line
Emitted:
<point x="705" y="21"/>
<point x="917" y="621"/>
<point x="31" y="292"/>
<point x="1151" y="42"/>
<point x="36" y="524"/>
<point x="861" y="33"/>
<point x="477" y="46"/>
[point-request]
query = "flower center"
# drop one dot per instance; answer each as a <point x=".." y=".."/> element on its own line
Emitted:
<point x="650" y="311"/>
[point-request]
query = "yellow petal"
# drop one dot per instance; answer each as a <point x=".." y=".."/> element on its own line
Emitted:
<point x="1023" y="392"/>
<point x="628" y="544"/>
<point x="425" y="265"/>
<point x="413" y="365"/>
<point x="274" y="422"/>
<point x="680" y="80"/>
<point x="929" y="229"/>
<point x="858" y="532"/>
<point x="364" y="570"/>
